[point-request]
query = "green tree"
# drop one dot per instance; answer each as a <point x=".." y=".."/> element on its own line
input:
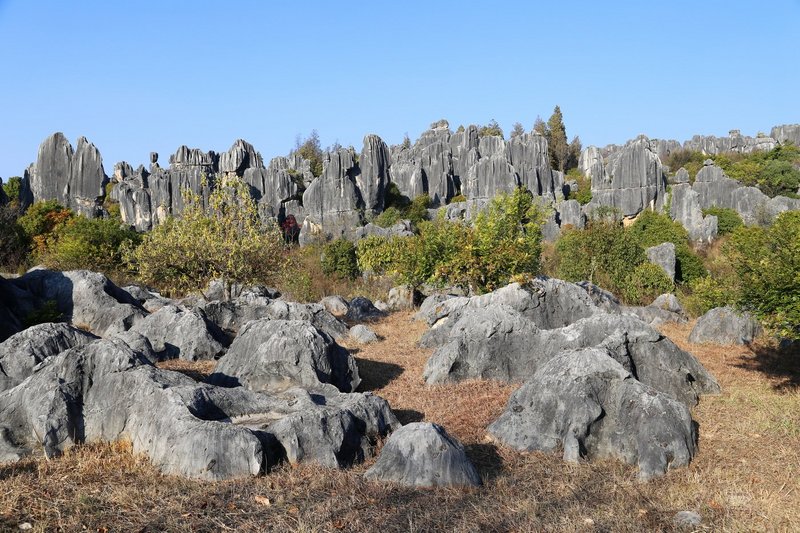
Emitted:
<point x="311" y="149"/>
<point x="540" y="127"/>
<point x="13" y="241"/>
<point x="557" y="139"/>
<point x="40" y="224"/>
<point x="93" y="244"/>
<point x="518" y="130"/>
<point x="767" y="261"/>
<point x="13" y="189"/>
<point x="491" y="129"/>
<point x="227" y="240"/>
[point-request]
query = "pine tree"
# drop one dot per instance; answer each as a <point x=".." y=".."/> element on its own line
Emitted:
<point x="540" y="127"/>
<point x="518" y="130"/>
<point x="559" y="148"/>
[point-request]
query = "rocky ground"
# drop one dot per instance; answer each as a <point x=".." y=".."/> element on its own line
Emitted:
<point x="743" y="478"/>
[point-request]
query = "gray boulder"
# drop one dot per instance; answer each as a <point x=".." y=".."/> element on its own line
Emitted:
<point x="725" y="325"/>
<point x="668" y="302"/>
<point x="589" y="405"/>
<point x="335" y="305"/>
<point x="88" y="300"/>
<point x="422" y="454"/>
<point x="685" y="208"/>
<point x="681" y="176"/>
<point x="104" y="392"/>
<point x="275" y="355"/>
<point x="663" y="256"/>
<point x="314" y="313"/>
<point x="362" y="309"/>
<point x="401" y="229"/>
<point x="362" y="334"/>
<point x="403" y="297"/>
<point x="20" y="353"/>
<point x="179" y="333"/>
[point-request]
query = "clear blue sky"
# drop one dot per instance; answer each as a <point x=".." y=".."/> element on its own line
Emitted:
<point x="144" y="76"/>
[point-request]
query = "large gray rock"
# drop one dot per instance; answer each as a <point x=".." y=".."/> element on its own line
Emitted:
<point x="422" y="454"/>
<point x="275" y="355"/>
<point x="403" y="297"/>
<point x="241" y="156"/>
<point x="633" y="180"/>
<point x="685" y="208"/>
<point x="177" y="333"/>
<point x="20" y="353"/>
<point x="105" y="391"/>
<point x="335" y="305"/>
<point x="331" y="201"/>
<point x="528" y="153"/>
<point x="75" y="178"/>
<point x="725" y="325"/>
<point x="503" y="341"/>
<point x="361" y="309"/>
<point x="786" y="134"/>
<point x="663" y="256"/>
<point x="586" y="403"/>
<point x="88" y="300"/>
<point x="363" y="334"/>
<point x="373" y="179"/>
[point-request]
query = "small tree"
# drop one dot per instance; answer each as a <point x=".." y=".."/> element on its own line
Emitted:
<point x="228" y="240"/>
<point x="518" y="130"/>
<point x="92" y="244"/>
<point x="559" y="148"/>
<point x="311" y="149"/>
<point x="492" y="128"/>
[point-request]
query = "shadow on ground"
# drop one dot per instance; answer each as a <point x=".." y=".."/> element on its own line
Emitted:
<point x="781" y="363"/>
<point x="375" y="374"/>
<point x="486" y="459"/>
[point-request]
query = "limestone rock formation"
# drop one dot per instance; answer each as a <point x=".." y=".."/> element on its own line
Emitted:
<point x="422" y="454"/>
<point x="725" y="325"/>
<point x="586" y="403"/>
<point x="331" y="201"/>
<point x="275" y="355"/>
<point x="685" y="208"/>
<point x="373" y="179"/>
<point x="663" y="256"/>
<point x="180" y="333"/>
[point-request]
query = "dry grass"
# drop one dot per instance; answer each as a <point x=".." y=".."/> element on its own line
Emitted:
<point x="745" y="477"/>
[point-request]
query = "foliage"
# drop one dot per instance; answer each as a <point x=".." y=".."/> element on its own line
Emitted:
<point x="557" y="140"/>
<point x="339" y="259"/>
<point x="706" y="293"/>
<point x="504" y="241"/>
<point x="573" y="153"/>
<point x="727" y="219"/>
<point x="418" y="210"/>
<point x="48" y="312"/>
<point x="774" y="172"/>
<point x="228" y="241"/>
<point x="92" y="244"/>
<point x="457" y="198"/>
<point x="652" y="228"/>
<point x="691" y="160"/>
<point x="13" y="189"/>
<point x="311" y="150"/>
<point x="492" y="128"/>
<point x="584" y="193"/>
<point x="40" y="222"/>
<point x="518" y="130"/>
<point x="389" y="217"/>
<point x="13" y="241"/>
<point x="645" y="282"/>
<point x="406" y="142"/>
<point x="767" y="262"/>
<point x="604" y="254"/>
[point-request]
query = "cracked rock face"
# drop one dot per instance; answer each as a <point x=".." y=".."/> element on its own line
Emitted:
<point x="587" y="404"/>
<point x="422" y="454"/>
<point x="106" y="391"/>
<point x="274" y="355"/>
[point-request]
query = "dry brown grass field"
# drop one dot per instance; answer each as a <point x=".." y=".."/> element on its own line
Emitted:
<point x="746" y="476"/>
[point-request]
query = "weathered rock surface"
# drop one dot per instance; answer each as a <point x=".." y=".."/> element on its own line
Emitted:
<point x="105" y="391"/>
<point x="373" y="178"/>
<point x="403" y="297"/>
<point x="180" y="333"/>
<point x="362" y="309"/>
<point x="725" y="325"/>
<point x="88" y="300"/>
<point x="335" y="305"/>
<point x="685" y="208"/>
<point x="20" y="353"/>
<point x="331" y="201"/>
<point x="422" y="454"/>
<point x="586" y="403"/>
<point x="663" y="256"/>
<point x="275" y="355"/>
<point x="363" y="334"/>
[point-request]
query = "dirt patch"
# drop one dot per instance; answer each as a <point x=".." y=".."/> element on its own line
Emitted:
<point x="744" y="478"/>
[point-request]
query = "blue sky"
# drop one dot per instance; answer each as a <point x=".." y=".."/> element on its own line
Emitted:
<point x="136" y="77"/>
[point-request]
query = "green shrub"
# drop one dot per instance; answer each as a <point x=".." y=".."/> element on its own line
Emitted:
<point x="339" y="259"/>
<point x="491" y="129"/>
<point x="706" y="293"/>
<point x="652" y="228"/>
<point x="97" y="244"/>
<point x="13" y="189"/>
<point x="388" y="218"/>
<point x="767" y="261"/>
<point x="688" y="265"/>
<point x="418" y="210"/>
<point x="584" y="193"/>
<point x="40" y="224"/>
<point x="604" y="253"/>
<point x="691" y="160"/>
<point x="227" y="240"/>
<point x="457" y="198"/>
<point x="13" y="241"/>
<point x="727" y="219"/>
<point x="645" y="283"/>
<point x="375" y="254"/>
<point x="774" y="172"/>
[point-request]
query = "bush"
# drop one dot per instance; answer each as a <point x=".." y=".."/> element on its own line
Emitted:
<point x="706" y="293"/>
<point x="457" y="198"/>
<point x="604" y="253"/>
<point x="40" y="222"/>
<point x="645" y="283"/>
<point x="652" y="228"/>
<point x="389" y="217"/>
<point x="767" y="261"/>
<point x="417" y="212"/>
<point x="584" y="193"/>
<point x="228" y="240"/>
<point x="504" y="241"/>
<point x="339" y="259"/>
<point x="774" y="172"/>
<point x="96" y="244"/>
<point x="727" y="219"/>
<point x="13" y="189"/>
<point x="13" y="241"/>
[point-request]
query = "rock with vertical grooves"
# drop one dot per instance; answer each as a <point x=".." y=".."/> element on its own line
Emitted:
<point x="422" y="454"/>
<point x="374" y="164"/>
